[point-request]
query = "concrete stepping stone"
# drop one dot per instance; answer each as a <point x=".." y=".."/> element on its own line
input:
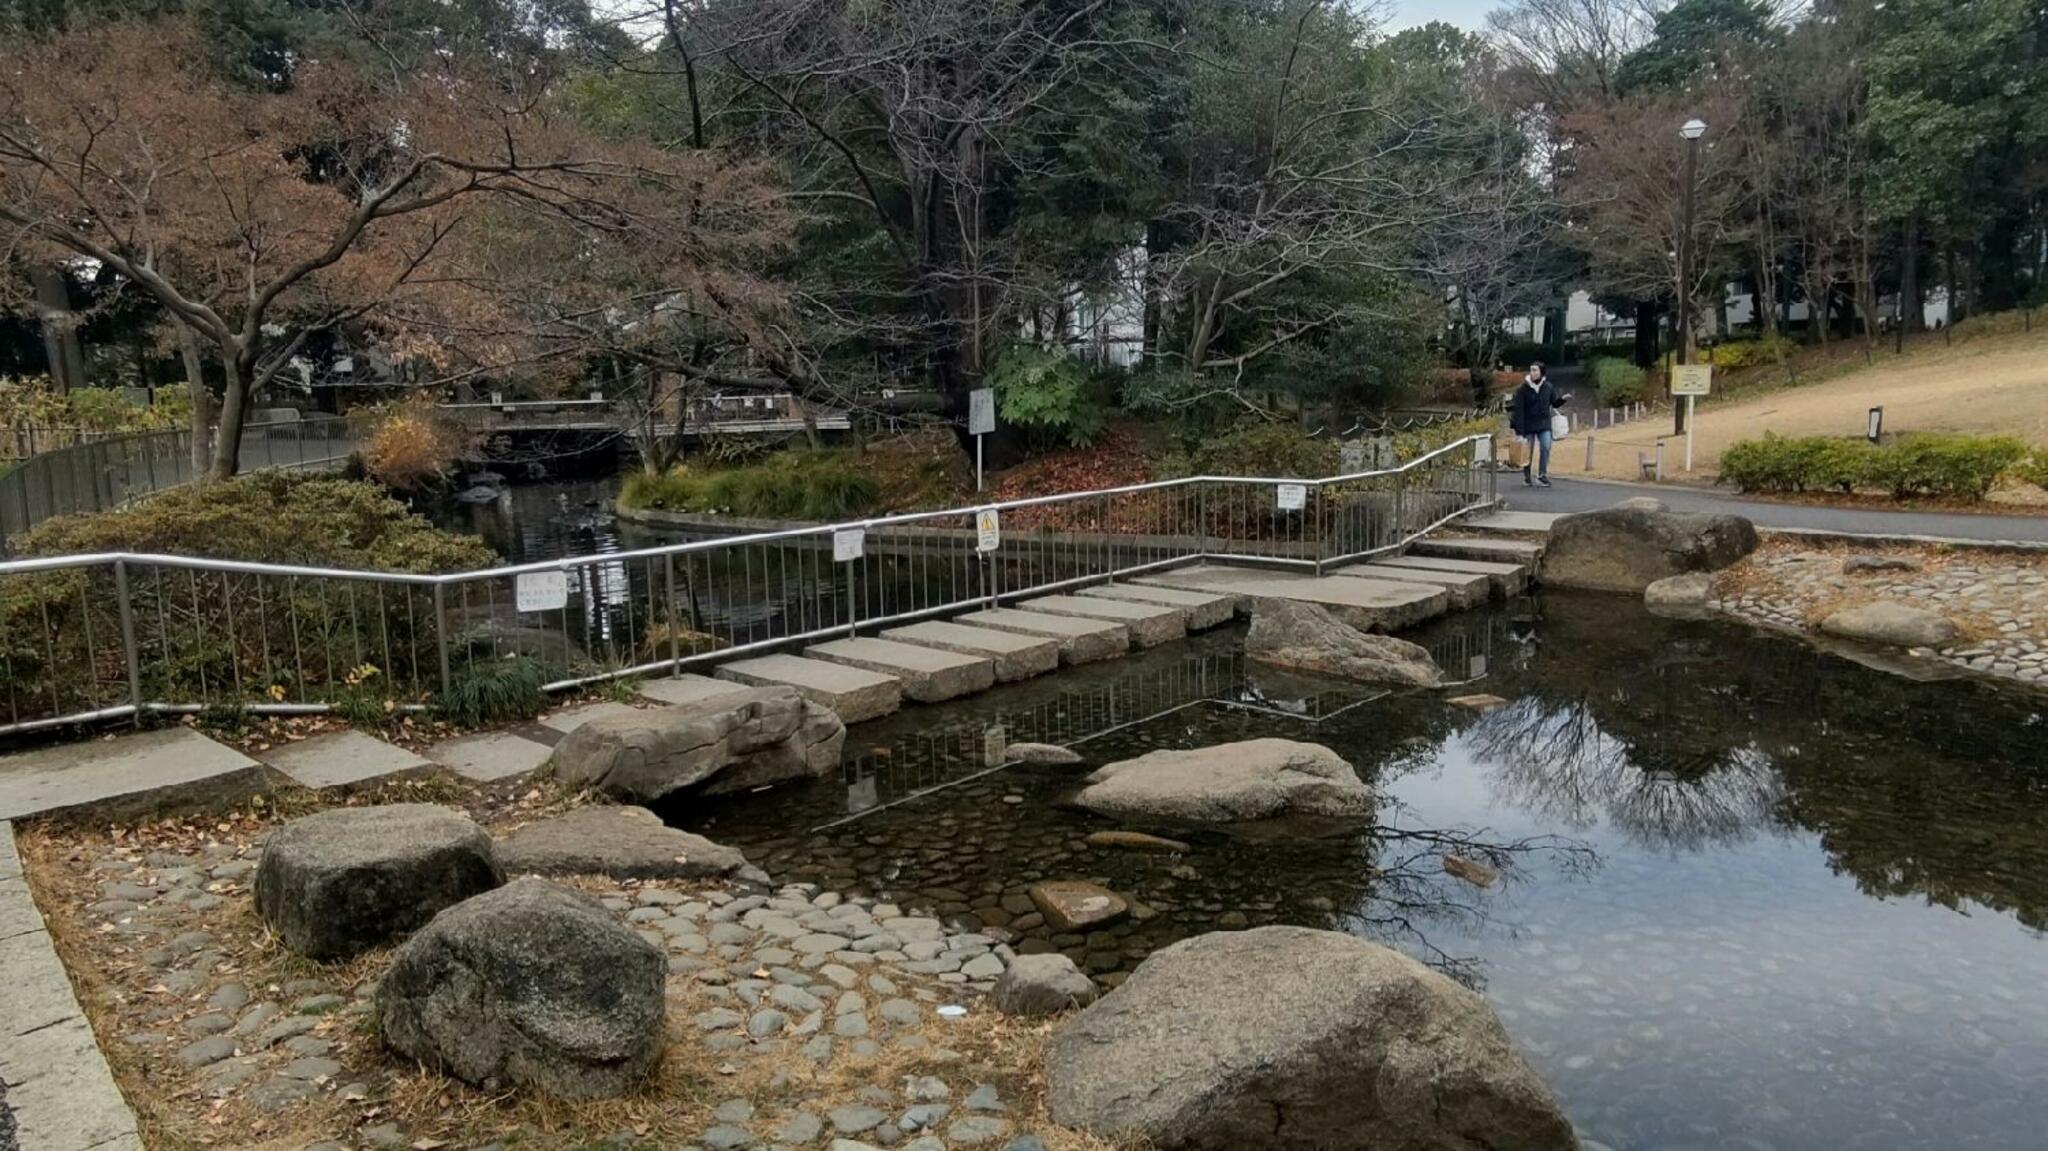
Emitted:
<point x="128" y="773"/>
<point x="1464" y="589"/>
<point x="1015" y="656"/>
<point x="682" y="690"/>
<point x="490" y="755"/>
<point x="1368" y="605"/>
<point x="571" y="718"/>
<point x="1150" y="624"/>
<point x="1199" y="610"/>
<point x="341" y="758"/>
<point x="1492" y="549"/>
<point x="1081" y="640"/>
<point x="928" y="674"/>
<point x="857" y="694"/>
<point x="1507" y="579"/>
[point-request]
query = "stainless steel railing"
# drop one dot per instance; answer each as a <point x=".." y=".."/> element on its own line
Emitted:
<point x="108" y="472"/>
<point x="91" y="637"/>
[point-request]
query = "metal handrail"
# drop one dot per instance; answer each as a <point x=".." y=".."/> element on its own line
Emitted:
<point x="177" y="633"/>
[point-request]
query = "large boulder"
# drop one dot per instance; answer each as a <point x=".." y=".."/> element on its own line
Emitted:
<point x="1284" y="1038"/>
<point x="621" y="842"/>
<point x="728" y="743"/>
<point x="1041" y="985"/>
<point x="1626" y="549"/>
<point x="1892" y="624"/>
<point x="1228" y="783"/>
<point x="531" y="985"/>
<point x="1306" y="637"/>
<point x="337" y="883"/>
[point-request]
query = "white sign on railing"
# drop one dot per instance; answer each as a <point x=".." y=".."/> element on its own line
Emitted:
<point x="541" y="591"/>
<point x="849" y="544"/>
<point x="1291" y="497"/>
<point x="988" y="530"/>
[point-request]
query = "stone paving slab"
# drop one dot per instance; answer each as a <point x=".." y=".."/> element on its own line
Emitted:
<point x="1015" y="656"/>
<point x="1150" y="624"/>
<point x="928" y="674"/>
<point x="1199" y="610"/>
<point x="855" y="693"/>
<point x="571" y="718"/>
<point x="1538" y="523"/>
<point x="1368" y="605"/>
<point x="1506" y="579"/>
<point x="58" y="1086"/>
<point x="687" y="689"/>
<point x="1081" y="640"/>
<point x="122" y="774"/>
<point x="1495" y="549"/>
<point x="490" y="755"/>
<point x="341" y="758"/>
<point x="1464" y="588"/>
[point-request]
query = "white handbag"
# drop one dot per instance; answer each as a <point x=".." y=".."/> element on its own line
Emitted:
<point x="1559" y="426"/>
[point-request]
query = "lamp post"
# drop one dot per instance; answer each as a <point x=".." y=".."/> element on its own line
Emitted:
<point x="1692" y="130"/>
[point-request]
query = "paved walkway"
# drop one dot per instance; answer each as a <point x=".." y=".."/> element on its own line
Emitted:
<point x="1573" y="495"/>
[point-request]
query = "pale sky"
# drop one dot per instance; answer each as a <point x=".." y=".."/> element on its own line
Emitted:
<point x="1467" y="14"/>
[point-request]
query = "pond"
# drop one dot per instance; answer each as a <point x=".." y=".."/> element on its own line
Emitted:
<point x="1753" y="896"/>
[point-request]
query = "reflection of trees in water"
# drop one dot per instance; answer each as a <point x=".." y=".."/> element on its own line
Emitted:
<point x="1556" y="760"/>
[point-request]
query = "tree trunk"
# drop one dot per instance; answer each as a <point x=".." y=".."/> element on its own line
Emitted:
<point x="1912" y="304"/>
<point x="234" y="411"/>
<point x="1646" y="333"/>
<point x="202" y="400"/>
<point x="60" y="328"/>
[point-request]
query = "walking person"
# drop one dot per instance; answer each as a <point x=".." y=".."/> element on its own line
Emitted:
<point x="1530" y="416"/>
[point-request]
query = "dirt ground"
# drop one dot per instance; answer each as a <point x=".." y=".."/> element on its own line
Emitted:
<point x="1995" y="385"/>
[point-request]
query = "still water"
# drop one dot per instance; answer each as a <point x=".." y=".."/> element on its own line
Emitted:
<point x="1753" y="896"/>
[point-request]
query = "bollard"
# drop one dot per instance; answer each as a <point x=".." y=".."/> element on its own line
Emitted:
<point x="1660" y="459"/>
<point x="1589" y="453"/>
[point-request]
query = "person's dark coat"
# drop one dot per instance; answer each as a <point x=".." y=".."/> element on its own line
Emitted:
<point x="1529" y="412"/>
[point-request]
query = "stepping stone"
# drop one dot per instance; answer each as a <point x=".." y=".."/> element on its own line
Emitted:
<point x="341" y="758"/>
<point x="928" y="674"/>
<point x="127" y="773"/>
<point x="569" y="719"/>
<point x="1150" y="624"/>
<point x="1368" y="605"/>
<point x="687" y="689"/>
<point x="1492" y="549"/>
<point x="1015" y="656"/>
<point x="1464" y="589"/>
<point x="855" y="693"/>
<point x="1081" y="640"/>
<point x="490" y="755"/>
<point x="1507" y="579"/>
<point x="1198" y="610"/>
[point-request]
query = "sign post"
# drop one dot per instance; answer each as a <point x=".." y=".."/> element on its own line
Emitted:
<point x="981" y="420"/>
<point x="1875" y="428"/>
<point x="1691" y="381"/>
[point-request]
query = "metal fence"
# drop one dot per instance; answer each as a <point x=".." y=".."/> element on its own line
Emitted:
<point x="106" y="636"/>
<point x="106" y="473"/>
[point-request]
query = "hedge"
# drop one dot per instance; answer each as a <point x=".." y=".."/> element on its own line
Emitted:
<point x="1928" y="464"/>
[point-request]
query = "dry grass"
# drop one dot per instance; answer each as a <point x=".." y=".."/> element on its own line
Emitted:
<point x="123" y="995"/>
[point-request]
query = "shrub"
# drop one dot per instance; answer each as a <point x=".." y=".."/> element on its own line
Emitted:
<point x="1750" y="353"/>
<point x="1259" y="448"/>
<point x="493" y="691"/>
<point x="806" y="485"/>
<point x="1936" y="464"/>
<point x="413" y="445"/>
<point x="1048" y="394"/>
<point x="2032" y="470"/>
<point x="1618" y="382"/>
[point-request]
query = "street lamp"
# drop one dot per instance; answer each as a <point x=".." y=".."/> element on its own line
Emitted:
<point x="1692" y="130"/>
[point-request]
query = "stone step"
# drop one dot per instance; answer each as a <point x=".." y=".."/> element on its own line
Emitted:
<point x="341" y="758"/>
<point x="1015" y="656"/>
<point x="1199" y="610"/>
<point x="492" y="755"/>
<point x="1150" y="624"/>
<point x="1506" y="579"/>
<point x="1363" y="603"/>
<point x="1081" y="640"/>
<point x="123" y="777"/>
<point x="1465" y="589"/>
<point x="687" y="689"/>
<point x="1514" y="523"/>
<point x="1492" y="549"/>
<point x="855" y="693"/>
<point x="928" y="674"/>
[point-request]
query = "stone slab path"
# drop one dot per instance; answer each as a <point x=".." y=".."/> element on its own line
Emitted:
<point x="855" y="693"/>
<point x="112" y="767"/>
<point x="341" y="758"/>
<point x="1362" y="603"/>
<point x="1149" y="624"/>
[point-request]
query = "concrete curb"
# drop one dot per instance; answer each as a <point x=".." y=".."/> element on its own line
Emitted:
<point x="58" y="1084"/>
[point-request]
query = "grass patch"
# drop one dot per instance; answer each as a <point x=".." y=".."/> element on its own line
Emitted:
<point x="915" y="472"/>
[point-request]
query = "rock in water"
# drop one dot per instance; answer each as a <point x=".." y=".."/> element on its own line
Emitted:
<point x="1137" y="841"/>
<point x="1628" y="549"/>
<point x="731" y="742"/>
<point x="1070" y="905"/>
<point x="1286" y="1038"/>
<point x="532" y="984"/>
<point x="1042" y="985"/>
<point x="1470" y="870"/>
<point x="478" y="494"/>
<point x="337" y="883"/>
<point x="1897" y="624"/>
<point x="1228" y="783"/>
<point x="1305" y="637"/>
<point x="621" y="842"/>
<point x="1041" y="754"/>
<point x="1680" y="594"/>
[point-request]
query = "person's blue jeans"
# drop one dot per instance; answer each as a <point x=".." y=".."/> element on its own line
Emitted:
<point x="1539" y="451"/>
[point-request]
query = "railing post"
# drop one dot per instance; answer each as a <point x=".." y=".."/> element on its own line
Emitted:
<point x="675" y="646"/>
<point x="128" y="650"/>
<point x="441" y="633"/>
<point x="1400" y="505"/>
<point x="1322" y="544"/>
